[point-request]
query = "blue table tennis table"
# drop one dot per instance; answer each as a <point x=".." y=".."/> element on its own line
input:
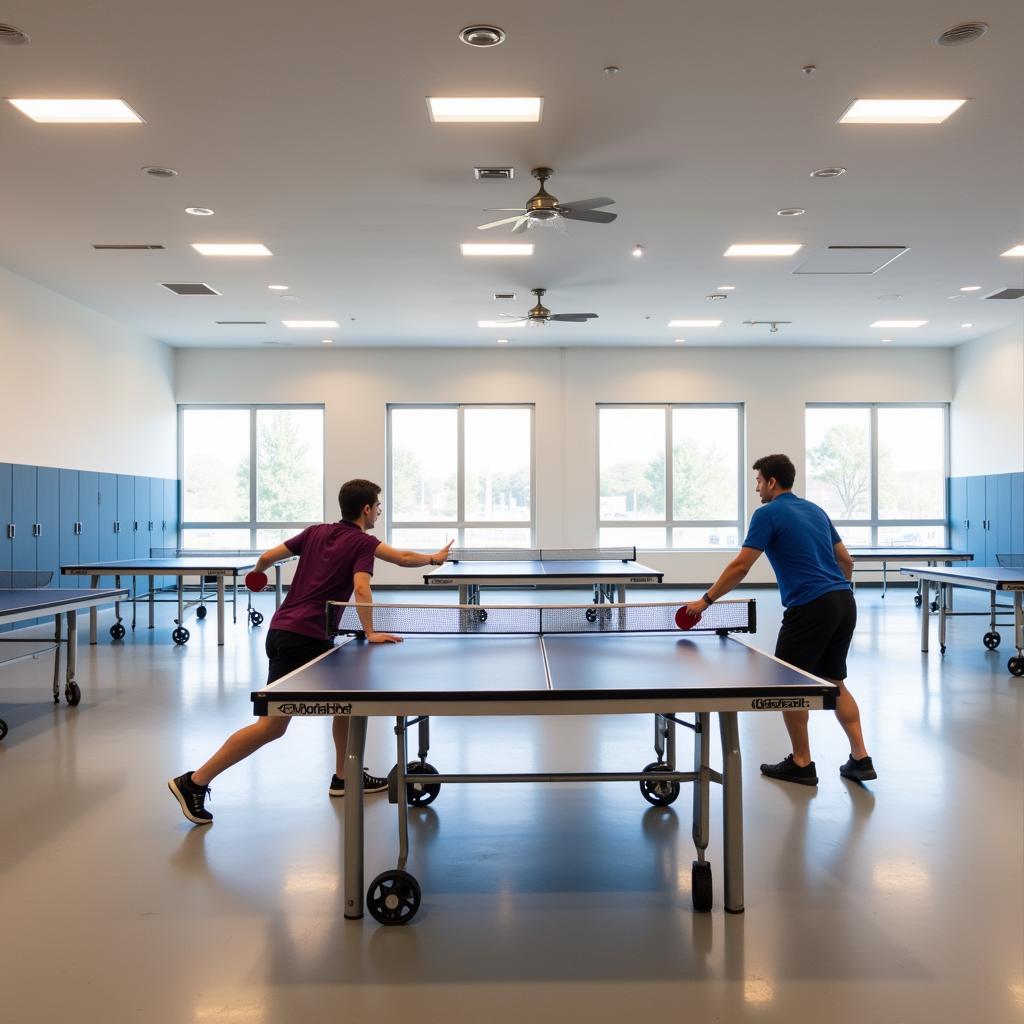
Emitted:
<point x="898" y="556"/>
<point x="553" y="660"/>
<point x="222" y="569"/>
<point x="608" y="570"/>
<point x="19" y="604"/>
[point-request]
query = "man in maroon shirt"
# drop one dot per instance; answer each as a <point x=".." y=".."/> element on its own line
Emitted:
<point x="335" y="560"/>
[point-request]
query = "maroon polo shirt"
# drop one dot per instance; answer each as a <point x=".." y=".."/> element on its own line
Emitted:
<point x="330" y="554"/>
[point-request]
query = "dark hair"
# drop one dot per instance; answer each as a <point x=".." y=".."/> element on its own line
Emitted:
<point x="778" y="466"/>
<point x="354" y="496"/>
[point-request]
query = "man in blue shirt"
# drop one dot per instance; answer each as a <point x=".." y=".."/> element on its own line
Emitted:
<point x="814" y="570"/>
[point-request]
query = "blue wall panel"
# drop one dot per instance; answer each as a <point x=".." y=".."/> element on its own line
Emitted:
<point x="89" y="517"/>
<point x="23" y="516"/>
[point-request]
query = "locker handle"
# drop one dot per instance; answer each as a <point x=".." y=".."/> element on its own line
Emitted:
<point x="151" y="526"/>
<point x="117" y="526"/>
<point x="78" y="529"/>
<point x="10" y="531"/>
<point x="135" y="526"/>
<point x="37" y="529"/>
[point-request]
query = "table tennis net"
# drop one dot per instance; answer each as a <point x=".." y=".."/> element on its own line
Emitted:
<point x="405" y="619"/>
<point x="542" y="554"/>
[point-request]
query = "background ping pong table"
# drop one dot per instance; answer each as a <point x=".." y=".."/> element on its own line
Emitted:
<point x="217" y="567"/>
<point x="20" y="604"/>
<point x="994" y="579"/>
<point x="906" y="556"/>
<point x="608" y="570"/>
<point x="554" y="660"/>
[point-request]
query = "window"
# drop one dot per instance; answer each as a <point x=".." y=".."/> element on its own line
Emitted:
<point x="880" y="471"/>
<point x="251" y="476"/>
<point x="693" y="500"/>
<point x="462" y="472"/>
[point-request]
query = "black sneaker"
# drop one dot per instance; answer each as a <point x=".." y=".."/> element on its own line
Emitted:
<point x="858" y="769"/>
<point x="192" y="798"/>
<point x="371" y="784"/>
<point x="788" y="770"/>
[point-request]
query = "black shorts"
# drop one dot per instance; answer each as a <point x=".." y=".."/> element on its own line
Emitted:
<point x="288" y="651"/>
<point x="816" y="636"/>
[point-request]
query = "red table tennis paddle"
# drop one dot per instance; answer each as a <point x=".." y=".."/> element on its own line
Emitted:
<point x="684" y="620"/>
<point x="256" y="581"/>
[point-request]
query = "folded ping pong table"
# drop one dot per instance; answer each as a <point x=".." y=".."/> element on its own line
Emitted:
<point x="556" y="660"/>
<point x="218" y="567"/>
<point x="608" y="570"/>
<point x="19" y="605"/>
<point x="995" y="580"/>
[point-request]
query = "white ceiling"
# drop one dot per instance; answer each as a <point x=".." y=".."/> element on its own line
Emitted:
<point x="304" y="126"/>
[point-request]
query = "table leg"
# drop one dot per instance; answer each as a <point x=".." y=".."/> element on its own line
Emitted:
<point x="220" y="609"/>
<point x="702" y="786"/>
<point x="152" y="602"/>
<point x="943" y="596"/>
<point x="94" y="582"/>
<point x="403" y="804"/>
<point x="732" y="811"/>
<point x="234" y="597"/>
<point x="885" y="581"/>
<point x="56" y="658"/>
<point x="72" y="662"/>
<point x="180" y="620"/>
<point x="278" y="589"/>
<point x="1018" y="622"/>
<point x="925" y="612"/>
<point x="354" y="818"/>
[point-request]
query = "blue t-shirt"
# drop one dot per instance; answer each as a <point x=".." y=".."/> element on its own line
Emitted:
<point x="799" y="539"/>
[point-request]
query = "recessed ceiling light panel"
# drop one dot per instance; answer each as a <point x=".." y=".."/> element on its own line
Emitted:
<point x="694" y="323"/>
<point x="322" y="325"/>
<point x="485" y="109"/>
<point x="900" y="111"/>
<point x="892" y="324"/>
<point x="971" y="288"/>
<point x="77" y="111"/>
<point x="764" y="249"/>
<point x="1017" y="250"/>
<point x="497" y="248"/>
<point x="199" y="211"/>
<point x="231" y="249"/>
<point x="503" y="324"/>
<point x="791" y="211"/>
<point x="278" y="287"/>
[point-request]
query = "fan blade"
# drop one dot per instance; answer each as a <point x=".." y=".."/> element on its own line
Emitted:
<point x="573" y="318"/>
<point x="510" y="317"/>
<point x="595" y="216"/>
<point x="524" y="223"/>
<point x="504" y="209"/>
<point x="587" y="204"/>
<point x="497" y="223"/>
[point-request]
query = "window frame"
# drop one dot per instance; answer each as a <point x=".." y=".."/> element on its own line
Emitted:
<point x="874" y="522"/>
<point x="459" y="525"/>
<point x="253" y="525"/>
<point x="669" y="523"/>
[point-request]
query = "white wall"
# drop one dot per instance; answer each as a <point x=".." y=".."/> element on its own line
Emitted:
<point x="355" y="386"/>
<point x="79" y="390"/>
<point x="987" y="414"/>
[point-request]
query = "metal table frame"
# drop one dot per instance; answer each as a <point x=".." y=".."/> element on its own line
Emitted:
<point x="902" y="556"/>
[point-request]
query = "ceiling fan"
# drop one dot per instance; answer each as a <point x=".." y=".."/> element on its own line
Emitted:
<point x="543" y="209"/>
<point x="540" y="314"/>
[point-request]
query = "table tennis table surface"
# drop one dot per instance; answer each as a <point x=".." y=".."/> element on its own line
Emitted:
<point x="982" y="577"/>
<point x="454" y="673"/>
<point x="187" y="564"/>
<point x="905" y="554"/>
<point x="33" y="602"/>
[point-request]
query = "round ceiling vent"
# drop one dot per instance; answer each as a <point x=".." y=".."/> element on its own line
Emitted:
<point x="828" y="172"/>
<point x="12" y="36"/>
<point x="482" y="35"/>
<point x="960" y="34"/>
<point x="791" y="211"/>
<point x="160" y="172"/>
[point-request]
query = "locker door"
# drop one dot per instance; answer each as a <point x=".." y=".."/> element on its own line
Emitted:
<point x="976" y="518"/>
<point x="107" y="518"/>
<point x="6" y="514"/>
<point x="125" y="516"/>
<point x="89" y="517"/>
<point x="991" y="517"/>
<point x="156" y="515"/>
<point x="1002" y="529"/>
<point x="958" y="513"/>
<point x="171" y="533"/>
<point x="48" y="522"/>
<point x="68" y="545"/>
<point x="142" y="517"/>
<point x="23" y="516"/>
<point x="1017" y="513"/>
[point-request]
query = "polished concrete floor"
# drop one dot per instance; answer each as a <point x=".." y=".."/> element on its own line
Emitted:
<point x="896" y="902"/>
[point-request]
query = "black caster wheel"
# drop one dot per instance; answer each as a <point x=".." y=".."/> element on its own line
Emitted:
<point x="201" y="612"/>
<point x="419" y="794"/>
<point x="1016" y="666"/>
<point x="934" y="606"/>
<point x="701" y="888"/>
<point x="180" y="635"/>
<point x="942" y="649"/>
<point x="661" y="794"/>
<point x="393" y="897"/>
<point x="117" y="631"/>
<point x="481" y="616"/>
<point x="73" y="695"/>
<point x="917" y="600"/>
<point x="991" y="640"/>
<point x="3" y="728"/>
<point x="256" y="618"/>
<point x="591" y="615"/>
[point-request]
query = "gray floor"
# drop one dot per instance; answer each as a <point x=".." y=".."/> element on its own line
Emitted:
<point x="896" y="902"/>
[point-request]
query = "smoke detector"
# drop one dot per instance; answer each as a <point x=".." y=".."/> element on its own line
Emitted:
<point x="482" y="35"/>
<point x="958" y="35"/>
<point x="159" y="172"/>
<point x="828" y="172"/>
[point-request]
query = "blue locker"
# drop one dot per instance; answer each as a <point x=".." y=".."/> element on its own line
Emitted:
<point x="958" y="513"/>
<point x="70" y="501"/>
<point x="1017" y="514"/>
<point x="6" y="514"/>
<point x="48" y="522"/>
<point x="125" y="516"/>
<point x="156" y="516"/>
<point x="107" y="517"/>
<point x="1000" y="517"/>
<point x="143" y="520"/>
<point x="89" y="518"/>
<point x="976" y="518"/>
<point x="171" y="535"/>
<point x="23" y="518"/>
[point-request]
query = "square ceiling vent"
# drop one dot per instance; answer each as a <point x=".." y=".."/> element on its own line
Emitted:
<point x="190" y="289"/>
<point x="1007" y="293"/>
<point x="850" y="259"/>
